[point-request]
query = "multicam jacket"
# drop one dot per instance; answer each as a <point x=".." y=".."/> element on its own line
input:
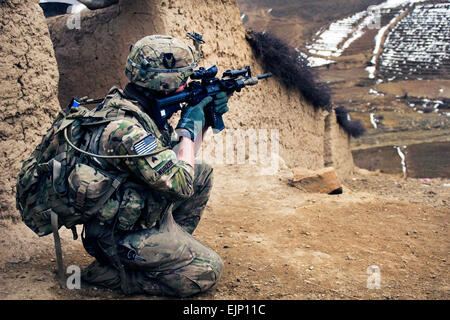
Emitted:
<point x="153" y="180"/>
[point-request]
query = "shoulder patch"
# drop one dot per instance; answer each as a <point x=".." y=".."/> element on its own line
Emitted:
<point x="169" y="164"/>
<point x="146" y="145"/>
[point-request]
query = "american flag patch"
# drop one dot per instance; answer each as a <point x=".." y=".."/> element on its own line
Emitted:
<point x="146" y="145"/>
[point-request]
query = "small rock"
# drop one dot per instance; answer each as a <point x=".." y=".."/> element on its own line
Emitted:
<point x="226" y="247"/>
<point x="321" y="181"/>
<point x="311" y="268"/>
<point x="307" y="246"/>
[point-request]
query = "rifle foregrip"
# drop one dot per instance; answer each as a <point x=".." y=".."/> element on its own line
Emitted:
<point x="214" y="119"/>
<point x="217" y="124"/>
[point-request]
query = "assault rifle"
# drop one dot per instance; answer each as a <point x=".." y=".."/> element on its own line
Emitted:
<point x="209" y="85"/>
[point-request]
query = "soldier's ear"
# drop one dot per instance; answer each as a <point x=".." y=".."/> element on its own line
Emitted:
<point x="131" y="47"/>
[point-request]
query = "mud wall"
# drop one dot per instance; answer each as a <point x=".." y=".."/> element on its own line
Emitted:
<point x="91" y="60"/>
<point x="336" y="151"/>
<point x="28" y="91"/>
<point x="91" y="48"/>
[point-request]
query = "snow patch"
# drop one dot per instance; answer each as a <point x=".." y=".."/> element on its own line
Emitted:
<point x="402" y="157"/>
<point x="317" y="62"/>
<point x="332" y="42"/>
<point x="373" y="121"/>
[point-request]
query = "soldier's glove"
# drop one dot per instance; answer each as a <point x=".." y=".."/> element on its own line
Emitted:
<point x="220" y="102"/>
<point x="193" y="119"/>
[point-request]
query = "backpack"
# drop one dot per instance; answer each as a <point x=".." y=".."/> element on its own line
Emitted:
<point x="57" y="186"/>
<point x="43" y="183"/>
<point x="56" y="180"/>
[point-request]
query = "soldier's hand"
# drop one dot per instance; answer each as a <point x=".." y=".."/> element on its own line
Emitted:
<point x="220" y="102"/>
<point x="192" y="119"/>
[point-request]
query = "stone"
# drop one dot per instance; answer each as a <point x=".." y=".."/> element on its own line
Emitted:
<point x="321" y="181"/>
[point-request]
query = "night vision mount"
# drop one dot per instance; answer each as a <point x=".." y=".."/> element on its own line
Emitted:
<point x="197" y="39"/>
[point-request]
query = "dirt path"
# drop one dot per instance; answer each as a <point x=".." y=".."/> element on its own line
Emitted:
<point x="280" y="243"/>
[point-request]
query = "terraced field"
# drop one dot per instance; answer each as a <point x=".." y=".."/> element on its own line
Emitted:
<point x="419" y="45"/>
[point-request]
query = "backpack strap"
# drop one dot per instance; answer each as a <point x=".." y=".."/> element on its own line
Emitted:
<point x="58" y="250"/>
<point x="81" y="194"/>
<point x="143" y="118"/>
<point x="115" y="261"/>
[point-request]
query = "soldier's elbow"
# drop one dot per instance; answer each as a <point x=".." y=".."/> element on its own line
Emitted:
<point x="184" y="193"/>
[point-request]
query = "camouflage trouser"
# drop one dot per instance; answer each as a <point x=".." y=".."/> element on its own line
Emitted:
<point x="166" y="259"/>
<point x="188" y="213"/>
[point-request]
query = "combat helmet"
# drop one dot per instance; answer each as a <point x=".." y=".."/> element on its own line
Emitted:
<point x="160" y="63"/>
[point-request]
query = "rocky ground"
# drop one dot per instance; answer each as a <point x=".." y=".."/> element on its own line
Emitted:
<point x="278" y="242"/>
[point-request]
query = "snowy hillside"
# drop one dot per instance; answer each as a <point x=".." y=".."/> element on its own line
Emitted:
<point x="418" y="47"/>
<point x="333" y="41"/>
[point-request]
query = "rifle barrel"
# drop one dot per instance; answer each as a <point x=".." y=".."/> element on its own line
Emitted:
<point x="265" y="75"/>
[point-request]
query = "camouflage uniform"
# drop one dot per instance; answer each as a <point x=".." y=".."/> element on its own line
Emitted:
<point x="155" y="245"/>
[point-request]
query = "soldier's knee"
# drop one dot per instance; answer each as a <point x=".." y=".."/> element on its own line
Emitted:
<point x="213" y="272"/>
<point x="196" y="278"/>
<point x="218" y="267"/>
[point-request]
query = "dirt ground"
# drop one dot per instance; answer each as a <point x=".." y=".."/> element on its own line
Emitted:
<point x="278" y="242"/>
